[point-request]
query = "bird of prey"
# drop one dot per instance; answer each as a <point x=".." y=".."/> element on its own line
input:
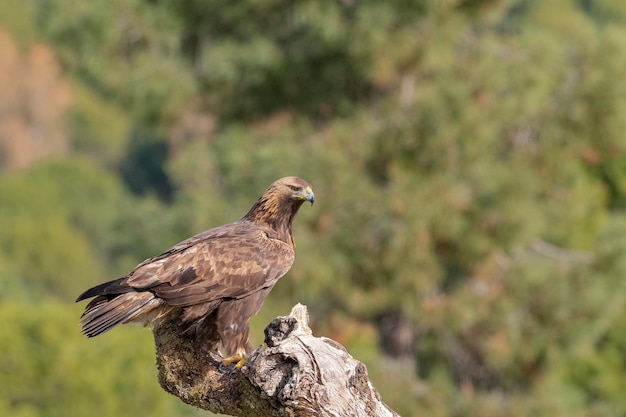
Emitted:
<point x="213" y="281"/>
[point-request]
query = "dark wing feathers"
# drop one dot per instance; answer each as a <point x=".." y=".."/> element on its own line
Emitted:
<point x="113" y="287"/>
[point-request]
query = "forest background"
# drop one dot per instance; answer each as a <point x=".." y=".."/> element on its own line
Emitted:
<point x="468" y="158"/>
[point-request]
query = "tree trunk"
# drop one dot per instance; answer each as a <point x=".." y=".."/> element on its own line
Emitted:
<point x="297" y="374"/>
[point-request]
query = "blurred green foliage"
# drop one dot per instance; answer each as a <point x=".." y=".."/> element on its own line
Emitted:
<point x="48" y="370"/>
<point x="469" y="163"/>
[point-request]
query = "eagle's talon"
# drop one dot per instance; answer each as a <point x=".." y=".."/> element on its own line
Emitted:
<point x="239" y="359"/>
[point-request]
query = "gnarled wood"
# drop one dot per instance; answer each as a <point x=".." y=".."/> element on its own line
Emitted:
<point x="297" y="374"/>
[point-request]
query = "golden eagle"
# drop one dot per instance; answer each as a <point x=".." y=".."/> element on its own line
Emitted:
<point x="213" y="281"/>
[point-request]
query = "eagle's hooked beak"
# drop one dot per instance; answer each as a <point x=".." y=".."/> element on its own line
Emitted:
<point x="307" y="194"/>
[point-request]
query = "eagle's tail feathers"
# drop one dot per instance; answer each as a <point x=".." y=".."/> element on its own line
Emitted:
<point x="103" y="313"/>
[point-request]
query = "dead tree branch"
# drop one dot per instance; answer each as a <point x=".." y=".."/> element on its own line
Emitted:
<point x="297" y="374"/>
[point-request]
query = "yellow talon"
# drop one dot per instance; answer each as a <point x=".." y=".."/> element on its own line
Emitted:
<point x="238" y="359"/>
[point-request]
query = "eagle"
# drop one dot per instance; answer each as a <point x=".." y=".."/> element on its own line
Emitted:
<point x="212" y="282"/>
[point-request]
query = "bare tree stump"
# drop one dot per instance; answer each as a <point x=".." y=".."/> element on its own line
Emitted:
<point x="297" y="374"/>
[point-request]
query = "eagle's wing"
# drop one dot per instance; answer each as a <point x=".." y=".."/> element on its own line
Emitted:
<point x="228" y="262"/>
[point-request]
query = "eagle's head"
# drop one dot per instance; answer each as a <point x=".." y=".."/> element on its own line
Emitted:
<point x="278" y="205"/>
<point x="293" y="189"/>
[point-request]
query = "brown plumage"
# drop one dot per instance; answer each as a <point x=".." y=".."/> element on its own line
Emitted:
<point x="214" y="281"/>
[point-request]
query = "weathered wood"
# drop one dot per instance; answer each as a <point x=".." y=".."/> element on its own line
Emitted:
<point x="297" y="374"/>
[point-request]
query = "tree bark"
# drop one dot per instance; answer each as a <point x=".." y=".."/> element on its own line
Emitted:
<point x="297" y="374"/>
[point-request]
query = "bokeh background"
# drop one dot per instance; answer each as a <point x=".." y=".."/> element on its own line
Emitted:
<point x="468" y="158"/>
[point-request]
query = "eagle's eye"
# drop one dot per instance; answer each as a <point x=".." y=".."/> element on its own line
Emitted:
<point x="294" y="188"/>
